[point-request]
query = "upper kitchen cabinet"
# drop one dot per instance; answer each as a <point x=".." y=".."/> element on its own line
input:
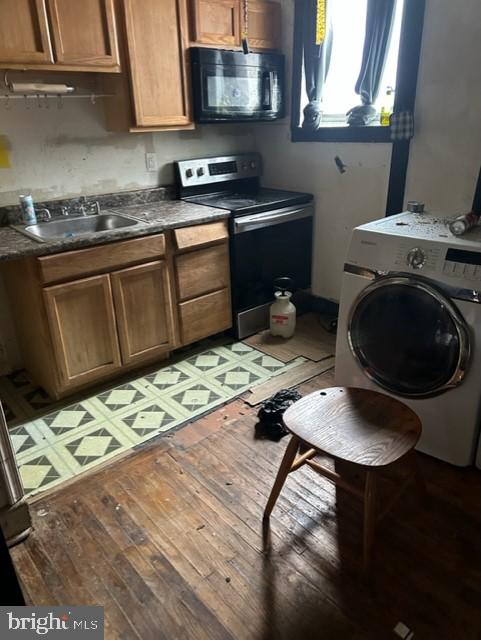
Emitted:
<point x="216" y="22"/>
<point x="84" y="33"/>
<point x="62" y="35"/>
<point x="264" y="25"/>
<point x="156" y="95"/>
<point x="221" y="23"/>
<point x="24" y="32"/>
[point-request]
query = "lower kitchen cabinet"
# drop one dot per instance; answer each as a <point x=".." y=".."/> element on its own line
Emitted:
<point x="82" y="325"/>
<point x="86" y="315"/>
<point x="145" y="311"/>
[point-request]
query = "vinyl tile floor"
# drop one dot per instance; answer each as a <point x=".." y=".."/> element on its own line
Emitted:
<point x="55" y="442"/>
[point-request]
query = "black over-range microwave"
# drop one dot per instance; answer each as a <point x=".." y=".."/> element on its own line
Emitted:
<point x="230" y="86"/>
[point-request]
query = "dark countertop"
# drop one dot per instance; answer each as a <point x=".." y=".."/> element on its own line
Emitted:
<point x="154" y="217"/>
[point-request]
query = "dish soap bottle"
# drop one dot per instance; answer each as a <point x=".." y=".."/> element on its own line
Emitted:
<point x="283" y="312"/>
<point x="387" y="107"/>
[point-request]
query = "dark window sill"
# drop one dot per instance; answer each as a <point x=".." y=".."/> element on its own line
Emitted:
<point x="342" y="134"/>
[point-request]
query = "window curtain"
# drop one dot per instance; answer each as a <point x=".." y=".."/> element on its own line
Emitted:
<point x="379" y="20"/>
<point x="317" y="58"/>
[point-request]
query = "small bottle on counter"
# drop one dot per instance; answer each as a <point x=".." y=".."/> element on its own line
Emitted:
<point x="463" y="223"/>
<point x="28" y="210"/>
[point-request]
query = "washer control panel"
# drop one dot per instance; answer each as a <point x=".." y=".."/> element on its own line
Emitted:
<point x="463" y="264"/>
<point x="418" y="256"/>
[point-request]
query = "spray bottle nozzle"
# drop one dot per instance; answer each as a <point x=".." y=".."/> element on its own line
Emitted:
<point x="284" y="285"/>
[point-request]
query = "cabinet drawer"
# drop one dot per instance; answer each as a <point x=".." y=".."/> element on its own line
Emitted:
<point x="202" y="234"/>
<point x="82" y="262"/>
<point x="205" y="316"/>
<point x="201" y="271"/>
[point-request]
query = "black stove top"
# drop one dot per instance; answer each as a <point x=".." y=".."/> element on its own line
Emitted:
<point x="241" y="203"/>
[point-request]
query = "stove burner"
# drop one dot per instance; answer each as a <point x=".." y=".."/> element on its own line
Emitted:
<point x="258" y="200"/>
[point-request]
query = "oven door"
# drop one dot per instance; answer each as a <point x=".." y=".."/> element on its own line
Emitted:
<point x="264" y="247"/>
<point x="408" y="336"/>
<point x="236" y="93"/>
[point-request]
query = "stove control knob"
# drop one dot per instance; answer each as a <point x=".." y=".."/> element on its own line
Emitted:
<point x="189" y="173"/>
<point x="416" y="258"/>
<point x="253" y="164"/>
<point x="200" y="171"/>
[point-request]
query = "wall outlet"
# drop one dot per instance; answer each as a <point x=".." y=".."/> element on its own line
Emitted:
<point x="151" y="161"/>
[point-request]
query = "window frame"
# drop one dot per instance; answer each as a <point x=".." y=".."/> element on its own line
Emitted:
<point x="405" y="90"/>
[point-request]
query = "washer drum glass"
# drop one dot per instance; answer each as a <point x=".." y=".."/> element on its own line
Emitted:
<point x="408" y="337"/>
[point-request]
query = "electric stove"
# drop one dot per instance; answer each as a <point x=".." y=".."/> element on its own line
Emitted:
<point x="270" y="230"/>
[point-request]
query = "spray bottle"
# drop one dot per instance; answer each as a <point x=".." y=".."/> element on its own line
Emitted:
<point x="283" y="312"/>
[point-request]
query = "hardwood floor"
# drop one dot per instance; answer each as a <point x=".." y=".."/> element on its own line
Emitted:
<point x="169" y="541"/>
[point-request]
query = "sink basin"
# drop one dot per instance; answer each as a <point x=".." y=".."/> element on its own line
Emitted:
<point x="72" y="227"/>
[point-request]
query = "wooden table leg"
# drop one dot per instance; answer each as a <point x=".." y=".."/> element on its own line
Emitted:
<point x="369" y="516"/>
<point x="286" y="464"/>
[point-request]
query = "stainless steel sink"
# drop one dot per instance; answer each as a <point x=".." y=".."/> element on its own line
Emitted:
<point x="72" y="227"/>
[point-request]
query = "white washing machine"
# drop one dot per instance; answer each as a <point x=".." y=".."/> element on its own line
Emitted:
<point x="410" y="326"/>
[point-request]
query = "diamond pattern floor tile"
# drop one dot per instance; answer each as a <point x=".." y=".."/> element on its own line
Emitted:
<point x="38" y="399"/>
<point x="120" y="398"/>
<point x="237" y="378"/>
<point x="196" y="397"/>
<point x="68" y="421"/>
<point x="211" y="359"/>
<point x="43" y="470"/>
<point x="150" y="419"/>
<point x="268" y="362"/>
<point x="22" y="440"/>
<point x="71" y="438"/>
<point x="168" y="377"/>
<point x="94" y="445"/>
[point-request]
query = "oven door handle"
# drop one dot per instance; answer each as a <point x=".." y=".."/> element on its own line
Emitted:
<point x="270" y="218"/>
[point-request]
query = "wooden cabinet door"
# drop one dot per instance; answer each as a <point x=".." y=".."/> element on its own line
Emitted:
<point x="264" y="24"/>
<point x="144" y="307"/>
<point x="83" y="330"/>
<point x="217" y="22"/>
<point x="84" y="32"/>
<point x="24" y="35"/>
<point x="157" y="49"/>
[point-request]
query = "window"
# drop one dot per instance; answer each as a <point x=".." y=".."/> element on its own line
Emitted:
<point x="397" y="47"/>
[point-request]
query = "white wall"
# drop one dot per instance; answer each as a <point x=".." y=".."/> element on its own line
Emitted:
<point x="67" y="152"/>
<point x="446" y="150"/>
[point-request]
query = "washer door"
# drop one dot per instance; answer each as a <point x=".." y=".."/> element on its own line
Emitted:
<point x="408" y="337"/>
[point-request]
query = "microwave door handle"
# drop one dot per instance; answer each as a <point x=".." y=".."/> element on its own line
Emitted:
<point x="267" y="82"/>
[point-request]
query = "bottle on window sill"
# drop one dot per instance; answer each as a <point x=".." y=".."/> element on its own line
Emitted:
<point x="387" y="107"/>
